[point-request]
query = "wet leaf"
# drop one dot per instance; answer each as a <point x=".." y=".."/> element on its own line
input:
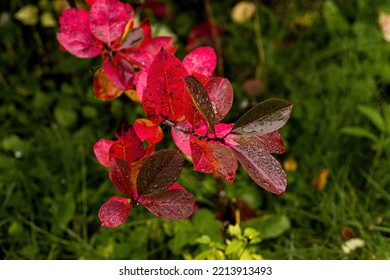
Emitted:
<point x="108" y="19"/>
<point x="266" y="117"/>
<point x="201" y="60"/>
<point x="213" y="158"/>
<point x="120" y="172"/>
<point x="201" y="99"/>
<point x="271" y="142"/>
<point x="163" y="97"/>
<point x="173" y="204"/>
<point x="221" y="95"/>
<point x="181" y="138"/>
<point x="114" y="212"/>
<point x="262" y="167"/>
<point x="75" y="34"/>
<point x="102" y="149"/>
<point x="159" y="172"/>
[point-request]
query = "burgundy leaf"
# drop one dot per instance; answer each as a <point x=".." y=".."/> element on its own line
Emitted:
<point x="114" y="212"/>
<point x="120" y="175"/>
<point x="271" y="142"/>
<point x="164" y="95"/>
<point x="221" y="94"/>
<point x="202" y="101"/>
<point x="262" y="167"/>
<point x="201" y="60"/>
<point x="265" y="117"/>
<point x="120" y="72"/>
<point x="101" y="150"/>
<point x="75" y="35"/>
<point x="159" y="172"/>
<point x="172" y="204"/>
<point x="108" y="19"/>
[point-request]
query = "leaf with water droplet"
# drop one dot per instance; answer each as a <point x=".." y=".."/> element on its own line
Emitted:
<point x="271" y="142"/>
<point x="159" y="172"/>
<point x="102" y="150"/>
<point x="202" y="101"/>
<point x="114" y="212"/>
<point x="262" y="167"/>
<point x="175" y="203"/>
<point x="201" y="60"/>
<point x="120" y="175"/>
<point x="265" y="117"/>
<point x="221" y="94"/>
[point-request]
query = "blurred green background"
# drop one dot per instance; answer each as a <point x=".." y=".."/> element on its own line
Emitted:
<point x="329" y="58"/>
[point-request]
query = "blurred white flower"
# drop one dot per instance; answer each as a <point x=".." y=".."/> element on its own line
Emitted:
<point x="243" y="11"/>
<point x="352" y="245"/>
<point x="384" y="23"/>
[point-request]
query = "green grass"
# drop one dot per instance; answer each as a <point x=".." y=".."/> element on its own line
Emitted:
<point x="51" y="186"/>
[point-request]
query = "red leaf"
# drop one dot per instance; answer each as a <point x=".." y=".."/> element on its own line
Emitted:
<point x="114" y="212"/>
<point x="104" y="89"/>
<point x="108" y="19"/>
<point x="201" y="60"/>
<point x="164" y="95"/>
<point x="128" y="147"/>
<point x="154" y="45"/>
<point x="101" y="150"/>
<point x="120" y="175"/>
<point x="139" y="57"/>
<point x="158" y="172"/>
<point x="221" y="94"/>
<point x="173" y="204"/>
<point x="262" y="167"/>
<point x="271" y="142"/>
<point x="148" y="131"/>
<point x="75" y="35"/>
<point x="213" y="158"/>
<point x="120" y="72"/>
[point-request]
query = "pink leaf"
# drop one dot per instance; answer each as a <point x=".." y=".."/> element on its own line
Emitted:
<point x="109" y="18"/>
<point x="75" y="35"/>
<point x="221" y="94"/>
<point x="271" y="142"/>
<point x="140" y="82"/>
<point x="173" y="204"/>
<point x="128" y="147"/>
<point x="114" y="212"/>
<point x="182" y="139"/>
<point x="101" y="150"/>
<point x="201" y="60"/>
<point x="165" y="92"/>
<point x="120" y="72"/>
<point x="139" y="57"/>
<point x="104" y="89"/>
<point x="262" y="167"/>
<point x="120" y="175"/>
<point x="148" y="131"/>
<point x="154" y="45"/>
<point x="213" y="158"/>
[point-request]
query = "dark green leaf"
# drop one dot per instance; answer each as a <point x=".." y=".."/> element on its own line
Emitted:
<point x="265" y="117"/>
<point x="159" y="172"/>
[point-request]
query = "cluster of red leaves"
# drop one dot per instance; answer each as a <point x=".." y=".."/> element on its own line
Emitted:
<point x="182" y="94"/>
<point x="108" y="30"/>
<point x="147" y="178"/>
